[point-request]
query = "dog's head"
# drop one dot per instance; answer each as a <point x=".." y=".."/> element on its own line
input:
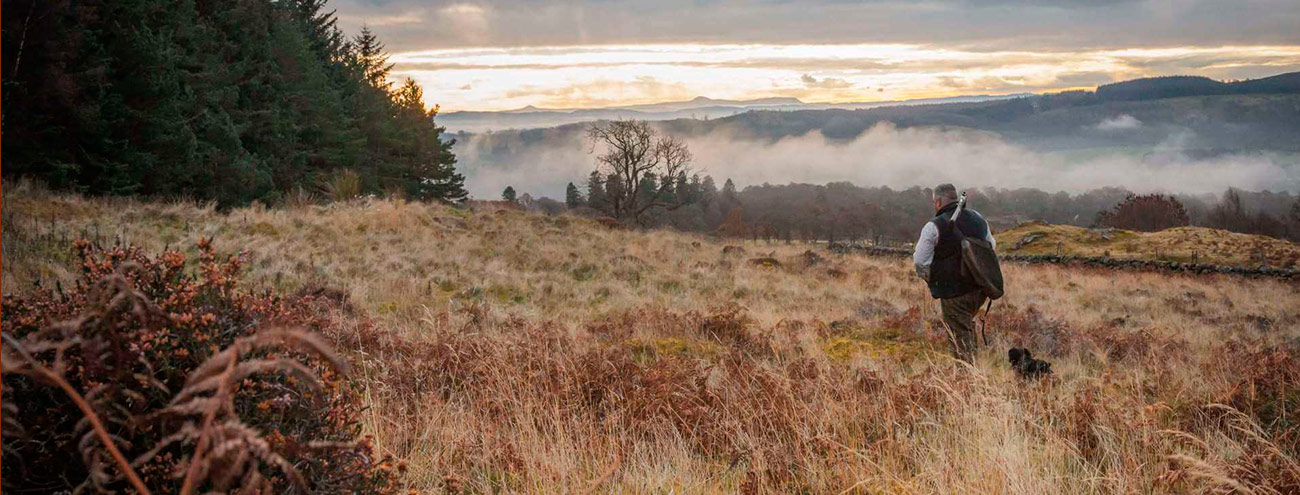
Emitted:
<point x="1017" y="356"/>
<point x="1025" y="365"/>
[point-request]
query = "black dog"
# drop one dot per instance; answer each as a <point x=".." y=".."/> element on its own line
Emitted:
<point x="1025" y="364"/>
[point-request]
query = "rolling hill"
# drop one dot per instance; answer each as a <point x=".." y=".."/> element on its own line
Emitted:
<point x="498" y="351"/>
<point x="1183" y="244"/>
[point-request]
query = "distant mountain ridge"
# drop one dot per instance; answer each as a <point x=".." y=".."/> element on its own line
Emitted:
<point x="937" y="111"/>
<point x="700" y="107"/>
<point x="666" y="106"/>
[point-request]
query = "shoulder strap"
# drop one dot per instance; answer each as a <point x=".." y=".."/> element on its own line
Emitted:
<point x="952" y="221"/>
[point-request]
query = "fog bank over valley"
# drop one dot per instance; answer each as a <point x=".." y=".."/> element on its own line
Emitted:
<point x="897" y="157"/>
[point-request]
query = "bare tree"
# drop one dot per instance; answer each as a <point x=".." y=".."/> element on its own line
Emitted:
<point x="632" y="153"/>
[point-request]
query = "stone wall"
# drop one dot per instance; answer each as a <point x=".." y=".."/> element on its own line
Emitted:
<point x="1094" y="262"/>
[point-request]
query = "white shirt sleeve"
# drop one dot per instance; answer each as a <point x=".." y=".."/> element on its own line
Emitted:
<point x="924" y="253"/>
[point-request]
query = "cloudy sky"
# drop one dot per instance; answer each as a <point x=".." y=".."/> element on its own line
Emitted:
<point x="499" y="55"/>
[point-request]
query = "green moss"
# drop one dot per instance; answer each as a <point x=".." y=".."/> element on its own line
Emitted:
<point x="876" y="343"/>
<point x="844" y="348"/>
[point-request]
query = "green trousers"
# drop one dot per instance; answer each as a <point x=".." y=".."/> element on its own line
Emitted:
<point x="959" y="315"/>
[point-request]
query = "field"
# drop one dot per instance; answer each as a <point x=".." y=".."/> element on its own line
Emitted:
<point x="1183" y="244"/>
<point x="501" y="351"/>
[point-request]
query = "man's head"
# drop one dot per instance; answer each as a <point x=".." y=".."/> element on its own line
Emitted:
<point x="944" y="194"/>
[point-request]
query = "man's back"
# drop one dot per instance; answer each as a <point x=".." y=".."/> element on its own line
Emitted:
<point x="943" y="247"/>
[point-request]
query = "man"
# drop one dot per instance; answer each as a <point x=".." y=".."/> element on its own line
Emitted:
<point x="938" y="261"/>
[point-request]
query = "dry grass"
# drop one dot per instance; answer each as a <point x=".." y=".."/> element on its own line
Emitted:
<point x="508" y="352"/>
<point x="1184" y="244"/>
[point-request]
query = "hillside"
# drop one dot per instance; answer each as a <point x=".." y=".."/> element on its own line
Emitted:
<point x="1184" y="244"/>
<point x="506" y="352"/>
<point x="1245" y="141"/>
<point x="1152" y="88"/>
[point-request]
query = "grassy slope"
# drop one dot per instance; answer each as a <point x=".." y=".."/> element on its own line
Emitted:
<point x="1178" y="244"/>
<point x="503" y="351"/>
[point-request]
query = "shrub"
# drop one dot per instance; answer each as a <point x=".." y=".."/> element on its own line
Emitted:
<point x="148" y="376"/>
<point x="343" y="185"/>
<point x="1146" y="213"/>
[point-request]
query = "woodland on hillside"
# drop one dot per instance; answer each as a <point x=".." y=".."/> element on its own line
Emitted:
<point x="847" y="212"/>
<point x="226" y="101"/>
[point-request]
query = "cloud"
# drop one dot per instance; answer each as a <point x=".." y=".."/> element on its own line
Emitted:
<point x="1122" y="122"/>
<point x="890" y="156"/>
<point x="504" y="77"/>
<point x="375" y="21"/>
<point x="825" y="82"/>
<point x="602" y="93"/>
<point x="968" y="23"/>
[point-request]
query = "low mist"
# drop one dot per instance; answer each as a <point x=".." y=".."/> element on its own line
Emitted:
<point x="895" y="157"/>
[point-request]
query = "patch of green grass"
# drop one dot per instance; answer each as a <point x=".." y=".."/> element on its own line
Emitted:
<point x="648" y="350"/>
<point x="262" y="228"/>
<point x="507" y="294"/>
<point x="583" y="272"/>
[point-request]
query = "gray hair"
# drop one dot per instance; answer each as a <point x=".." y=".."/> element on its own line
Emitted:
<point x="946" y="192"/>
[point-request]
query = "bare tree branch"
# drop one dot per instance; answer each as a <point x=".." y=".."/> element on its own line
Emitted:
<point x="633" y="152"/>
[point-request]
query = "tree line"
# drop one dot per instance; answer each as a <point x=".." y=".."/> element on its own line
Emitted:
<point x="644" y="179"/>
<point x="224" y="101"/>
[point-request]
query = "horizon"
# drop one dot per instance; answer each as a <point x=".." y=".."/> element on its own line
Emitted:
<point x="796" y="100"/>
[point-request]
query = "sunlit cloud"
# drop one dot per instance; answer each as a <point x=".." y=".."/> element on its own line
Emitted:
<point x="607" y="75"/>
<point x="383" y="20"/>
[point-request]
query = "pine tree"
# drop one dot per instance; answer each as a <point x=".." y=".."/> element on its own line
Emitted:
<point x="429" y="171"/>
<point x="708" y="191"/>
<point x="368" y="55"/>
<point x="729" y="190"/>
<point x="572" y="198"/>
<point x="596" y="191"/>
<point x="509" y="194"/>
<point x="683" y="190"/>
<point x="614" y="194"/>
